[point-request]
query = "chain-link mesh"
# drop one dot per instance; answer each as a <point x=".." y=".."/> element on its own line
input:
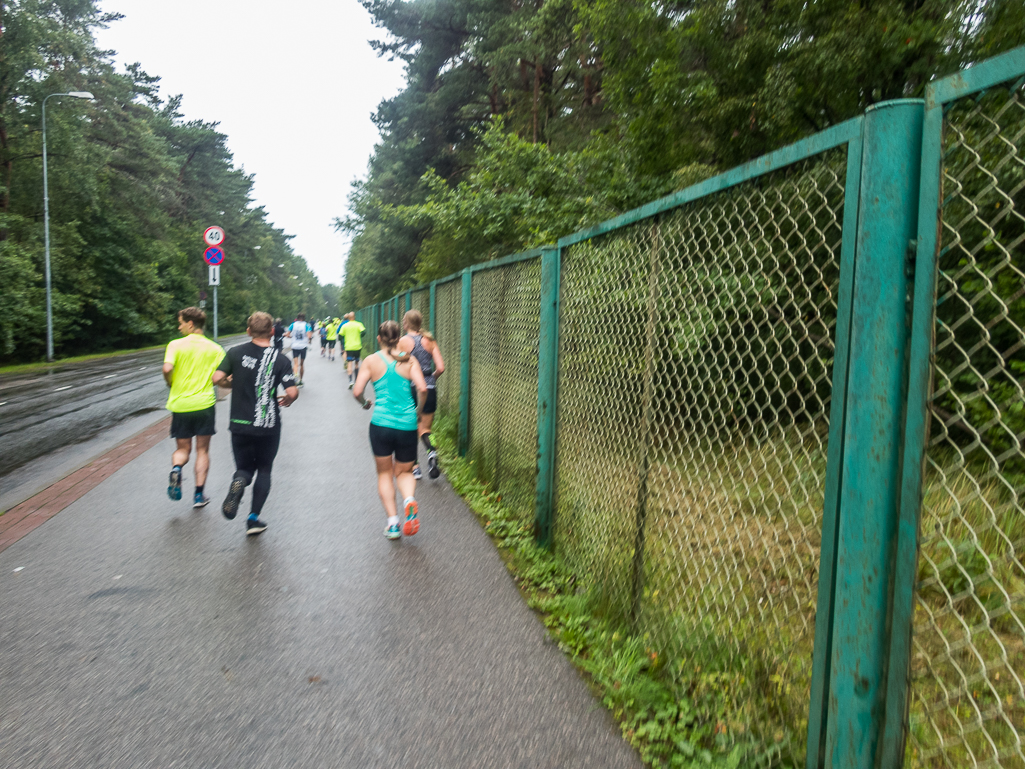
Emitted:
<point x="448" y="300"/>
<point x="503" y="381"/>
<point x="694" y="391"/>
<point x="422" y="304"/>
<point x="968" y="665"/>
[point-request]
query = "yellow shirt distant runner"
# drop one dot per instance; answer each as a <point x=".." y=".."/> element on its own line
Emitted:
<point x="194" y="358"/>
<point x="351" y="332"/>
<point x="332" y="331"/>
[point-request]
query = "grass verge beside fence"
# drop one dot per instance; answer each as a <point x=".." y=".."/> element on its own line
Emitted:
<point x="674" y="717"/>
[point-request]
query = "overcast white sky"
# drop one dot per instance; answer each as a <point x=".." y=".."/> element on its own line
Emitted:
<point x="293" y="86"/>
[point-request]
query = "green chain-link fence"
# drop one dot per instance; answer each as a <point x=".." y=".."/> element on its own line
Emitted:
<point x="694" y="393"/>
<point x="968" y="665"/>
<point x="447" y="332"/>
<point x="421" y="302"/>
<point x="702" y="406"/>
<point x="503" y="370"/>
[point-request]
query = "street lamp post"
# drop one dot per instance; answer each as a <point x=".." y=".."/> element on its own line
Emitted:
<point x="46" y="224"/>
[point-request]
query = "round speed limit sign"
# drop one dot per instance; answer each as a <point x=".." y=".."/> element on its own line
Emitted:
<point x="214" y="236"/>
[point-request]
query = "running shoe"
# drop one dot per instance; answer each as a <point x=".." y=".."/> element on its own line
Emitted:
<point x="392" y="532"/>
<point x="432" y="465"/>
<point x="412" y="524"/>
<point x="255" y="526"/>
<point x="351" y="384"/>
<point x="231" y="502"/>
<point x="174" y="484"/>
<point x="200" y="501"/>
<point x="417" y="472"/>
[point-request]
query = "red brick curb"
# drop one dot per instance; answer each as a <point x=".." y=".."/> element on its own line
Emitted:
<point x="23" y="518"/>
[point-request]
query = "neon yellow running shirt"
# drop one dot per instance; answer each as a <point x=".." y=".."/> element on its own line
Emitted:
<point x="194" y="358"/>
<point x="332" y="332"/>
<point x="352" y="334"/>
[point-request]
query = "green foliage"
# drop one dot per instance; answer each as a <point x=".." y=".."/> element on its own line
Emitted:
<point x="522" y="122"/>
<point x="132" y="186"/>
<point x="519" y="195"/>
<point x="675" y="717"/>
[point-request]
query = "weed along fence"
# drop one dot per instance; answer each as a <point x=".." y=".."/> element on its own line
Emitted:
<point x="774" y="424"/>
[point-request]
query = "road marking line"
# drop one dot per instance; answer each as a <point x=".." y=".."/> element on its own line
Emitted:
<point x="110" y="376"/>
<point x="65" y="387"/>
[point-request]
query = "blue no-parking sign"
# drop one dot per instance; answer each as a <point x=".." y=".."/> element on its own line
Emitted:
<point x="213" y="255"/>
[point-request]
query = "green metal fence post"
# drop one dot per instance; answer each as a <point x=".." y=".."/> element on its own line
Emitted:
<point x="916" y="431"/>
<point x="870" y="485"/>
<point x="819" y="701"/>
<point x="379" y="308"/>
<point x="409" y="301"/>
<point x="432" y="309"/>
<point x="464" y="364"/>
<point x="547" y="393"/>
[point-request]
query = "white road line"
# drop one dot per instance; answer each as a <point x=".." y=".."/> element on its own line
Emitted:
<point x="110" y="376"/>
<point x="65" y="387"/>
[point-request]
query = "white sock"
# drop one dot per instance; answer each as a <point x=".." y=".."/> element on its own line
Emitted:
<point x="393" y="520"/>
<point x="407" y="500"/>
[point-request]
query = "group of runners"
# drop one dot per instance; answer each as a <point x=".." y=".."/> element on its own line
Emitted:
<point x="262" y="380"/>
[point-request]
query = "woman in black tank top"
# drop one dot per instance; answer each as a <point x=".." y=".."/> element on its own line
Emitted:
<point x="421" y="345"/>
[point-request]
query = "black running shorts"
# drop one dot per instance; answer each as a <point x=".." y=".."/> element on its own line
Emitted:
<point x="386" y="441"/>
<point x="431" y="404"/>
<point x="331" y="343"/>
<point x="189" y="424"/>
<point x="353" y="355"/>
<point x="299" y="353"/>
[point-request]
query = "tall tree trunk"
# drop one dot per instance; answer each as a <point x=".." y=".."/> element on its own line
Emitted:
<point x="537" y="96"/>
<point x="8" y="164"/>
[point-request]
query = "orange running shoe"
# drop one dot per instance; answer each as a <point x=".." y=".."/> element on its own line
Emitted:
<point x="412" y="524"/>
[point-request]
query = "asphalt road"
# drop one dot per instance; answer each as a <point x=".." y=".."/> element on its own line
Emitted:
<point x="42" y="411"/>
<point x="136" y="632"/>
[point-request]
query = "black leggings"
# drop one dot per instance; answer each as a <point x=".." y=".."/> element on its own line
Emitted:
<point x="254" y="455"/>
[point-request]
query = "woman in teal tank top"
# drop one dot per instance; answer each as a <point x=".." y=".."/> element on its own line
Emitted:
<point x="393" y="424"/>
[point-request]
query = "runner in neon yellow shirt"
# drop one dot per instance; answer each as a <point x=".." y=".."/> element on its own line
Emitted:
<point x="352" y="333"/>
<point x="332" y="337"/>
<point x="189" y="364"/>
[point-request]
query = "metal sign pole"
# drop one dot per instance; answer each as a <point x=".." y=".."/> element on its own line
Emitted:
<point x="215" y="313"/>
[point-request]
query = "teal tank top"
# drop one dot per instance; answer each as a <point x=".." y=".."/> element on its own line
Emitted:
<point x="395" y="407"/>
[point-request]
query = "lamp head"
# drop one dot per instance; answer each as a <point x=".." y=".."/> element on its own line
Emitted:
<point x="81" y="95"/>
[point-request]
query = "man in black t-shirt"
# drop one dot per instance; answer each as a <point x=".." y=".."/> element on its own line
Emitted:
<point x="254" y="371"/>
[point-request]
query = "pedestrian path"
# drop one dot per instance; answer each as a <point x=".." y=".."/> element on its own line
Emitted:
<point x="136" y="632"/>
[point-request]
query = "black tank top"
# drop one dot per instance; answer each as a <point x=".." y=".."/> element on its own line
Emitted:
<point x="425" y="359"/>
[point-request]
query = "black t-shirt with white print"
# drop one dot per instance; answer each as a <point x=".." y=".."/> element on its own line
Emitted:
<point x="255" y="374"/>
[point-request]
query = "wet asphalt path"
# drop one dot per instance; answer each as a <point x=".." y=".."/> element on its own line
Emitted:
<point x="44" y="410"/>
<point x="136" y="632"/>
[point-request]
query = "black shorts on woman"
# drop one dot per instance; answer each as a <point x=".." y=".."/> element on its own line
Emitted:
<point x="431" y="404"/>
<point x="386" y="441"/>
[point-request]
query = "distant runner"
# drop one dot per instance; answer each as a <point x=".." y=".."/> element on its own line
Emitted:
<point x="188" y="364"/>
<point x="254" y="371"/>
<point x="332" y="337"/>
<point x="352" y="336"/>
<point x="279" y="334"/>
<point x="393" y="425"/>
<point x="322" y="333"/>
<point x="421" y="345"/>
<point x="300" y="334"/>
